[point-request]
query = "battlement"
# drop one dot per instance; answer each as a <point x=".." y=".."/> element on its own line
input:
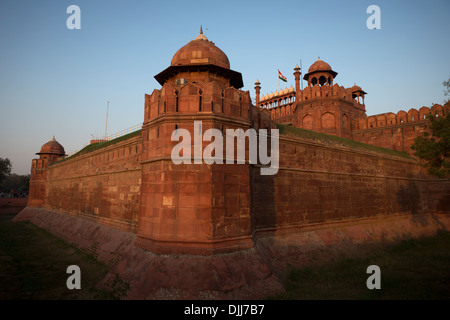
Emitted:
<point x="401" y="118"/>
<point x="37" y="164"/>
<point x="192" y="97"/>
<point x="334" y="91"/>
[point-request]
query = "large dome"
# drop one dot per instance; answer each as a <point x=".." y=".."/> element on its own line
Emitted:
<point x="201" y="55"/>
<point x="319" y="65"/>
<point x="200" y="51"/>
<point x="52" y="147"/>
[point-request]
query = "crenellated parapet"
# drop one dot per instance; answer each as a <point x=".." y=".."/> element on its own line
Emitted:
<point x="395" y="131"/>
<point x="401" y="118"/>
<point x="38" y="166"/>
<point x="277" y="98"/>
<point x="192" y="98"/>
<point x="279" y="104"/>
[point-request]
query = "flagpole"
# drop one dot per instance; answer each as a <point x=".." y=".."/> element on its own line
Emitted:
<point x="106" y="126"/>
<point x="301" y="78"/>
<point x="278" y="76"/>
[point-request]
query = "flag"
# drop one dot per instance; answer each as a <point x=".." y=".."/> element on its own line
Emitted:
<point x="281" y="77"/>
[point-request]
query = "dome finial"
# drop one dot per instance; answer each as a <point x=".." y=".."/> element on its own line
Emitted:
<point x="201" y="36"/>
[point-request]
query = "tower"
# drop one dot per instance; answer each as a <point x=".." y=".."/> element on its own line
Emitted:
<point x="51" y="152"/>
<point x="320" y="74"/>
<point x="194" y="207"/>
<point x="257" y="91"/>
<point x="297" y="74"/>
<point x="324" y="106"/>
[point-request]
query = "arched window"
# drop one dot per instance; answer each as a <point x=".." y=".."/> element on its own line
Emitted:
<point x="328" y="121"/>
<point x="322" y="80"/>
<point x="345" y="122"/>
<point x="307" y="122"/>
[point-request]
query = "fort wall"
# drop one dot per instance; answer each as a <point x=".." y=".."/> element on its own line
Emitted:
<point x="316" y="183"/>
<point x="319" y="183"/>
<point x="395" y="131"/>
<point x="103" y="185"/>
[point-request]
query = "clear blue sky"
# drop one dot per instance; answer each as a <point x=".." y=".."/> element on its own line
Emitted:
<point x="56" y="81"/>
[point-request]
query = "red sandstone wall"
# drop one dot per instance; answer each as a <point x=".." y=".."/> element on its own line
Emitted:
<point x="38" y="180"/>
<point x="103" y="185"/>
<point x="399" y="137"/>
<point x="319" y="183"/>
<point x="194" y="208"/>
<point x="395" y="131"/>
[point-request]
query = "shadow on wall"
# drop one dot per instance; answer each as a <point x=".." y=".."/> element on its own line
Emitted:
<point x="262" y="201"/>
<point x="408" y="198"/>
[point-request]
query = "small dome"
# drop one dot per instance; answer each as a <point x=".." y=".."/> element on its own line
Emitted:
<point x="319" y="65"/>
<point x="356" y="88"/>
<point x="52" y="147"/>
<point x="266" y="96"/>
<point x="271" y="95"/>
<point x="200" y="51"/>
<point x="275" y="94"/>
<point x="280" y="92"/>
<point x="291" y="88"/>
<point x="286" y="90"/>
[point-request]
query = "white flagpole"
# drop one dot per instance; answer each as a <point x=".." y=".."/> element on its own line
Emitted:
<point x="106" y="126"/>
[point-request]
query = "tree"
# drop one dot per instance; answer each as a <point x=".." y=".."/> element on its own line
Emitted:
<point x="446" y="84"/>
<point x="18" y="183"/>
<point x="433" y="146"/>
<point x="24" y="182"/>
<point x="5" y="168"/>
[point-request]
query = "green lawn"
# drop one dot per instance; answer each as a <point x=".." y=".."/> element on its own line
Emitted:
<point x="417" y="269"/>
<point x="33" y="265"/>
<point x="338" y="141"/>
<point x="99" y="145"/>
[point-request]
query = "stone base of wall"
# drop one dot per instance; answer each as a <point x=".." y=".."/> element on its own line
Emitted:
<point x="324" y="242"/>
<point x="238" y="275"/>
<point x="248" y="274"/>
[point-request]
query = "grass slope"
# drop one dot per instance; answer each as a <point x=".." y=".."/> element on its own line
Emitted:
<point x="100" y="145"/>
<point x="416" y="269"/>
<point x="337" y="141"/>
<point x="33" y="265"/>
